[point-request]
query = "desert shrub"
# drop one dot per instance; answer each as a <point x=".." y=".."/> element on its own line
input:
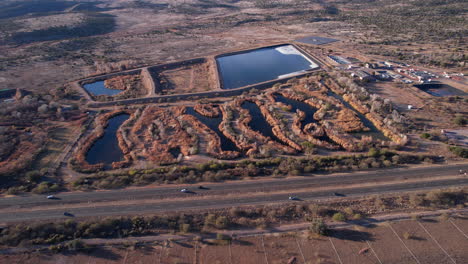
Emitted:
<point x="407" y="235"/>
<point x="349" y="211"/>
<point x="441" y="198"/>
<point x="223" y="239"/>
<point x="318" y="226"/>
<point x="416" y="200"/>
<point x="222" y="222"/>
<point x="460" y="120"/>
<point x="459" y="151"/>
<point x="185" y="228"/>
<point x="444" y="217"/>
<point x="415" y="217"/>
<point x="357" y="216"/>
<point x="340" y="217"/>
<point x="373" y="152"/>
<point x="425" y="135"/>
<point x="45" y="187"/>
<point x="33" y="176"/>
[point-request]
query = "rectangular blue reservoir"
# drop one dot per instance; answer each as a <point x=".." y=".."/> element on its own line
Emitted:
<point x="260" y="65"/>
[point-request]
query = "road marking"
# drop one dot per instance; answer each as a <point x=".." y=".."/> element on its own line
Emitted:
<point x="230" y="251"/>
<point x="336" y="252"/>
<point x="264" y="250"/>
<point x="411" y="252"/>
<point x="125" y="258"/>
<point x="160" y="254"/>
<point x="196" y="259"/>
<point x="461" y="231"/>
<point x="436" y="242"/>
<point x="300" y="250"/>
<point x="373" y="251"/>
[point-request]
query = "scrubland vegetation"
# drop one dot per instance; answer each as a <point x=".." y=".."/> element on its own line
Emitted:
<point x="259" y="217"/>
<point x="221" y="171"/>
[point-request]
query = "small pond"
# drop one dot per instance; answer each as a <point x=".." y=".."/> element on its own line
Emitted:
<point x="213" y="124"/>
<point x="375" y="133"/>
<point x="98" y="88"/>
<point x="304" y="107"/>
<point x="262" y="65"/>
<point x="258" y="122"/>
<point x="439" y="89"/>
<point x="106" y="149"/>
<point x="307" y="109"/>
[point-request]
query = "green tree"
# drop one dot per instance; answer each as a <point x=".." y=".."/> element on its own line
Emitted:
<point x="319" y="227"/>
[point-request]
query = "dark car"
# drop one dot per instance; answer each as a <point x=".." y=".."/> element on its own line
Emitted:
<point x="339" y="194"/>
<point x="68" y="214"/>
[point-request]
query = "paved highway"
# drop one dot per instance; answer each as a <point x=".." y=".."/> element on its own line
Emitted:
<point x="205" y="203"/>
<point x="259" y="185"/>
<point x="86" y="204"/>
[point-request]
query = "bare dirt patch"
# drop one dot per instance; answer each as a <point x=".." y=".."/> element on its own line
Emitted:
<point x="387" y="247"/>
<point x="317" y="250"/>
<point x="352" y="246"/>
<point x="248" y="250"/>
<point x="419" y="242"/>
<point x="215" y="254"/>
<point x="451" y="240"/>
<point x="281" y="248"/>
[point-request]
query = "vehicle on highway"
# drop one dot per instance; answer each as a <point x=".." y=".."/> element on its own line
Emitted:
<point x="339" y="194"/>
<point x="184" y="190"/>
<point x="50" y="197"/>
<point x="68" y="214"/>
<point x="293" y="198"/>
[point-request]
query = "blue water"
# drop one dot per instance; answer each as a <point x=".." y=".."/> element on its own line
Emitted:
<point x="106" y="149"/>
<point x="374" y="132"/>
<point x="258" y="122"/>
<point x="213" y="124"/>
<point x="98" y="88"/>
<point x="259" y="65"/>
<point x="304" y="107"/>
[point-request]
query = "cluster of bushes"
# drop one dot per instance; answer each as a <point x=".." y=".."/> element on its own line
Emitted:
<point x="251" y="217"/>
<point x="439" y="199"/>
<point x="459" y="151"/>
<point x="118" y="227"/>
<point x="221" y="171"/>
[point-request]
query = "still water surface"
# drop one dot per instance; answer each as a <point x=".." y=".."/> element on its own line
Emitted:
<point x="106" y="149"/>
<point x="98" y="88"/>
<point x="262" y="65"/>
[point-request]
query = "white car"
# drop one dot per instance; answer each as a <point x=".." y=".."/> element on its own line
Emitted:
<point x="293" y="198"/>
<point x="184" y="190"/>
<point x="50" y="197"/>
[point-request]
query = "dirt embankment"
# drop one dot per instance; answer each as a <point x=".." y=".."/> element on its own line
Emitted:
<point x="214" y="143"/>
<point x="258" y="138"/>
<point x="158" y="136"/>
<point x="333" y="118"/>
<point x="361" y="105"/>
<point x="208" y="110"/>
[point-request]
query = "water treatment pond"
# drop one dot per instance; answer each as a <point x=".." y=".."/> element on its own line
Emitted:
<point x="106" y="149"/>
<point x="262" y="65"/>
<point x="304" y="107"/>
<point x="439" y="89"/>
<point x="258" y="122"/>
<point x="213" y="124"/>
<point x="98" y="88"/>
<point x="374" y="132"/>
